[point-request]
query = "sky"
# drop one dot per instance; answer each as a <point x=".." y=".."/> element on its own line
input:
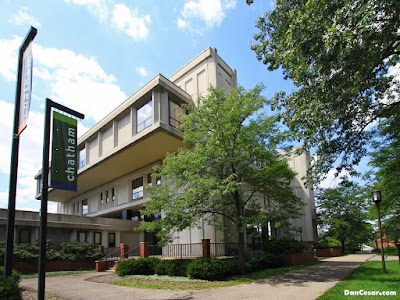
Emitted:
<point x="91" y="55"/>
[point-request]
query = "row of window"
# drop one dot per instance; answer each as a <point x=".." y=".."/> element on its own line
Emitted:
<point x="80" y="207"/>
<point x="137" y="186"/>
<point x="25" y="237"/>
<point x="144" y="117"/>
<point x="107" y="196"/>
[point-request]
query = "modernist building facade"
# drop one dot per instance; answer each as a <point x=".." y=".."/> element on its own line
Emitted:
<point x="117" y="156"/>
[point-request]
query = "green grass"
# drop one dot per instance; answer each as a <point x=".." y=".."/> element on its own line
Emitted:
<point x="55" y="274"/>
<point x="368" y="277"/>
<point x="184" y="283"/>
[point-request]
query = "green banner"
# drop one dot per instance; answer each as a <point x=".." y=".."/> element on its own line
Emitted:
<point x="64" y="156"/>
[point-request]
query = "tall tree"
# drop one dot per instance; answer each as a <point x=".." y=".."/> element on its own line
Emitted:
<point x="342" y="212"/>
<point x="231" y="169"/>
<point x="342" y="55"/>
<point x="386" y="161"/>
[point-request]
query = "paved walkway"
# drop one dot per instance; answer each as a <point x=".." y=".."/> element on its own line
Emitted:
<point x="307" y="283"/>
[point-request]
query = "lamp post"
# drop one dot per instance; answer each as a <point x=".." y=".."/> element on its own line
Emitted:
<point x="377" y="198"/>
<point x="301" y="233"/>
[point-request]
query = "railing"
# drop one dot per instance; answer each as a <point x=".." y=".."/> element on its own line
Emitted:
<point x="133" y="252"/>
<point x="143" y="125"/>
<point x="111" y="254"/>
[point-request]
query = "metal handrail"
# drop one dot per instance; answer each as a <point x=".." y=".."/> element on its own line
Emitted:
<point x="132" y="251"/>
<point x="112" y="256"/>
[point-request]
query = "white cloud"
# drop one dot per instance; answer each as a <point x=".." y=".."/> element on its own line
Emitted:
<point x="98" y="8"/>
<point x="8" y="58"/>
<point x="128" y="20"/>
<point x="23" y="18"/>
<point x="142" y="71"/>
<point x="209" y="12"/>
<point x="78" y="81"/>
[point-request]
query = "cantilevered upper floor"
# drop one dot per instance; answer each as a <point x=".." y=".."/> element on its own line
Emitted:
<point x="139" y="132"/>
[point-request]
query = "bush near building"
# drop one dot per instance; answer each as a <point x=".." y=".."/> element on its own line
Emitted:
<point x="9" y="288"/>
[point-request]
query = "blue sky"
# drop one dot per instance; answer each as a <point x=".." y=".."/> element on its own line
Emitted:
<point x="90" y="55"/>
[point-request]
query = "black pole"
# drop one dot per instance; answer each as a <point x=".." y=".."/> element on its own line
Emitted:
<point x="45" y="191"/>
<point x="12" y="191"/>
<point x="380" y="234"/>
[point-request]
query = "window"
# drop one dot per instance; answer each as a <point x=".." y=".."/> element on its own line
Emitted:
<point x="111" y="240"/>
<point x="158" y="180"/>
<point x="24" y="236"/>
<point x="144" y="116"/>
<point x="107" y="198"/>
<point x="84" y="207"/>
<point x="77" y="207"/>
<point x="149" y="179"/>
<point x="97" y="238"/>
<point x="113" y="194"/>
<point x="101" y="198"/>
<point x="137" y="188"/>
<point x="175" y="114"/>
<point x="82" y="236"/>
<point x="82" y="158"/>
<point x="73" y="207"/>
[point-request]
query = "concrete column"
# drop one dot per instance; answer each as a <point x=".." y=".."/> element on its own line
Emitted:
<point x="155" y="96"/>
<point x="164" y="108"/>
<point x="115" y="133"/>
<point x="134" y="120"/>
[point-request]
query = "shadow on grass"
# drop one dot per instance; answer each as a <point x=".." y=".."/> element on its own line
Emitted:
<point x="323" y="272"/>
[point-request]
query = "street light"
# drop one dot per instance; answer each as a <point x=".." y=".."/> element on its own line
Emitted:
<point x="377" y="198"/>
<point x="301" y="233"/>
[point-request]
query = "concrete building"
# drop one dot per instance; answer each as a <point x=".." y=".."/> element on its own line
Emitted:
<point x="117" y="155"/>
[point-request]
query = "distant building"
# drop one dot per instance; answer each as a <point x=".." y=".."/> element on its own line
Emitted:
<point x="117" y="156"/>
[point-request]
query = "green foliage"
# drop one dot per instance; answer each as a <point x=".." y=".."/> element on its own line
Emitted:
<point x="68" y="251"/>
<point x="284" y="245"/>
<point x="328" y="242"/>
<point x="78" y="251"/>
<point x="9" y="288"/>
<point x="341" y="56"/>
<point x="140" y="266"/>
<point x="342" y="214"/>
<point x="206" y="268"/>
<point x="260" y="261"/>
<point x="176" y="267"/>
<point x="232" y="162"/>
<point x="386" y="160"/>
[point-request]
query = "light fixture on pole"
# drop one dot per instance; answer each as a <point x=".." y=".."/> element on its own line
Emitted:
<point x="377" y="198"/>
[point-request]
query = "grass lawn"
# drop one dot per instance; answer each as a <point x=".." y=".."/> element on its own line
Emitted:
<point x="55" y="274"/>
<point x="184" y="283"/>
<point x="368" y="277"/>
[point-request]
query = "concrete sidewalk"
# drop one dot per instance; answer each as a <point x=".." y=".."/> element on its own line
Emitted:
<point x="307" y="283"/>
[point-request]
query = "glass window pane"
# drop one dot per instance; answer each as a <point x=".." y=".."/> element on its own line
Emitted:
<point x="84" y="207"/>
<point x="175" y="114"/>
<point x="24" y="236"/>
<point x="82" y="158"/>
<point x="137" y="188"/>
<point x="145" y="116"/>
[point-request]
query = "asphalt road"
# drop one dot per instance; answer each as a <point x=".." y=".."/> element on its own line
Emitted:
<point x="307" y="283"/>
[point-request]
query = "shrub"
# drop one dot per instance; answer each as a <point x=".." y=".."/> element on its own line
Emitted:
<point x="176" y="267"/>
<point x="259" y="261"/>
<point x="231" y="267"/>
<point x="140" y="266"/>
<point x="284" y="246"/>
<point x="78" y="251"/>
<point x="9" y="288"/>
<point x="328" y="243"/>
<point x="206" y="268"/>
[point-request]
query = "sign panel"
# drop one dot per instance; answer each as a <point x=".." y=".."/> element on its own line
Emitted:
<point x="64" y="158"/>
<point x="26" y="88"/>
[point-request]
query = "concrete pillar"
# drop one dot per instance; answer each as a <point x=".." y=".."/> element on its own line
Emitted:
<point x="155" y="96"/>
<point x="134" y="120"/>
<point x="126" y="214"/>
<point x="164" y="107"/>
<point x="206" y="247"/>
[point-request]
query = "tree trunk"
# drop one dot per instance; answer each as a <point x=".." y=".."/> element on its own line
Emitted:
<point x="342" y="242"/>
<point x="242" y="253"/>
